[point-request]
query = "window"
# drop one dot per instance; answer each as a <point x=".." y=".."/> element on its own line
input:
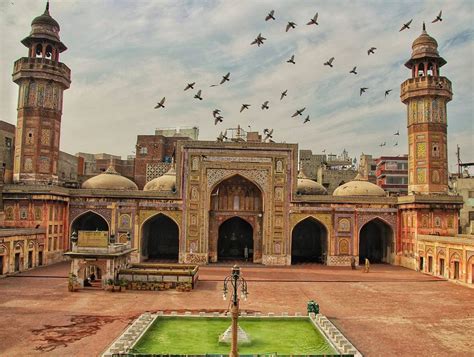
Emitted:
<point x="143" y="150"/>
<point x="8" y="143"/>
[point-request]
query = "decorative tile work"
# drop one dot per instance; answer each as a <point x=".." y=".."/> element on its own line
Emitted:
<point x="28" y="165"/>
<point x="43" y="164"/>
<point x="258" y="176"/>
<point x="339" y="260"/>
<point x="106" y="213"/>
<point x="45" y="137"/>
<point x="125" y="221"/>
<point x="390" y="219"/>
<point x="420" y="150"/>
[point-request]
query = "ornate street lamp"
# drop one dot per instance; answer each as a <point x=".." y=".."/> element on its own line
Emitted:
<point x="236" y="281"/>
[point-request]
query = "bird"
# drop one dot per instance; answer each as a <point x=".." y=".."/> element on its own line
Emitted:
<point x="292" y="60"/>
<point x="362" y="90"/>
<point x="329" y="62"/>
<point x="406" y="26"/>
<point x="190" y="86"/>
<point x="283" y="94"/>
<point x="198" y="95"/>
<point x="397" y="133"/>
<point x="225" y="78"/>
<point x="290" y="25"/>
<point x="396" y="144"/>
<point x="216" y="112"/>
<point x="438" y="18"/>
<point x="218" y="119"/>
<point x="387" y="92"/>
<point x="213" y="85"/>
<point x="306" y="119"/>
<point x="383" y="144"/>
<point x="259" y="40"/>
<point x="244" y="106"/>
<point x="222" y="136"/>
<point x="265" y="105"/>
<point x="314" y="20"/>
<point x="324" y="150"/>
<point x="353" y="70"/>
<point x="268" y="134"/>
<point x="371" y="50"/>
<point x="161" y="103"/>
<point x="270" y="15"/>
<point x="298" y="112"/>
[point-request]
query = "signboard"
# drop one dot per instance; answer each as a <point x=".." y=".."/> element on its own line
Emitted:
<point x="97" y="239"/>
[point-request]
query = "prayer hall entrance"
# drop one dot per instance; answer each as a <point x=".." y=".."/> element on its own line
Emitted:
<point x="160" y="239"/>
<point x="376" y="242"/>
<point x="235" y="221"/>
<point x="309" y="242"/>
<point x="235" y="240"/>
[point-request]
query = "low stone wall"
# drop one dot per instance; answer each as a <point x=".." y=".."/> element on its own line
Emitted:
<point x="159" y="286"/>
<point x="129" y="338"/>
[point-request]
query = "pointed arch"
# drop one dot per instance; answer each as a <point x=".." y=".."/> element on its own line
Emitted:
<point x="235" y="239"/>
<point x="89" y="221"/>
<point x="309" y="241"/>
<point x="160" y="238"/>
<point x="376" y="241"/>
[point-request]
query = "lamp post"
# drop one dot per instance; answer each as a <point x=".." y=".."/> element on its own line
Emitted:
<point x="235" y="280"/>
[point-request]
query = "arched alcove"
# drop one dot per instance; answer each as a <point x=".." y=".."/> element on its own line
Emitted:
<point x="309" y="242"/>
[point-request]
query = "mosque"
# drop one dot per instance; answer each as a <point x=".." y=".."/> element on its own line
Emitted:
<point x="232" y="200"/>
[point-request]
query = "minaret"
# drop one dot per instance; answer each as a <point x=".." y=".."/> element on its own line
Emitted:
<point x="42" y="80"/>
<point x="426" y="94"/>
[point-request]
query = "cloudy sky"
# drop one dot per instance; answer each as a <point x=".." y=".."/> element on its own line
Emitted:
<point x="125" y="55"/>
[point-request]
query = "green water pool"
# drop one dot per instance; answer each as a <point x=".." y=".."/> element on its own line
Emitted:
<point x="199" y="335"/>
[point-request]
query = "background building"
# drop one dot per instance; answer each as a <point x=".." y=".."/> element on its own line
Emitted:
<point x="392" y="174"/>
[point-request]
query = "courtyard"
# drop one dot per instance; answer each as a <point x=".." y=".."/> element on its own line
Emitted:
<point x="391" y="311"/>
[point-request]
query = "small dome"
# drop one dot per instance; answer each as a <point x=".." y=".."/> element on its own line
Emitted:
<point x="110" y="180"/>
<point x="306" y="186"/>
<point x="359" y="187"/>
<point x="425" y="46"/>
<point x="164" y="183"/>
<point x="45" y="19"/>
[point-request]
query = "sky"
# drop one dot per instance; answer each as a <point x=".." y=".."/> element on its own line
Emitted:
<point x="125" y="55"/>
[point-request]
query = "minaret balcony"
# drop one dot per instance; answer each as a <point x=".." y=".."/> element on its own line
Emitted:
<point x="426" y="86"/>
<point x="41" y="68"/>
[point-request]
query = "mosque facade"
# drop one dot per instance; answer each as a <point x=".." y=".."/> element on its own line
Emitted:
<point x="234" y="200"/>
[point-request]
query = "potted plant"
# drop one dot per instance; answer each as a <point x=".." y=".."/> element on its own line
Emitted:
<point x="123" y="284"/>
<point x="110" y="284"/>
<point x="72" y="282"/>
<point x="116" y="283"/>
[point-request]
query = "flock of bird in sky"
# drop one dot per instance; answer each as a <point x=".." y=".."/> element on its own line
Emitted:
<point x="259" y="41"/>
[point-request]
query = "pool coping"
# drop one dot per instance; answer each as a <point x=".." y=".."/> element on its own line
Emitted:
<point x="133" y="333"/>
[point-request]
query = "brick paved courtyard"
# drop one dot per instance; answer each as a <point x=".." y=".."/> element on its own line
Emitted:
<point x="391" y="311"/>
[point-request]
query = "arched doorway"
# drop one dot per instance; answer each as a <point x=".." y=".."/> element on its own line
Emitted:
<point x="376" y="242"/>
<point x="160" y="239"/>
<point x="235" y="240"/>
<point x="89" y="221"/>
<point x="232" y="198"/>
<point x="309" y="242"/>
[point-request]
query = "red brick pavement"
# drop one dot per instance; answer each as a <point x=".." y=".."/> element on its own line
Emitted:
<point x="390" y="311"/>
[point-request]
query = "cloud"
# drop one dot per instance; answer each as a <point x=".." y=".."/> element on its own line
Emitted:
<point x="126" y="55"/>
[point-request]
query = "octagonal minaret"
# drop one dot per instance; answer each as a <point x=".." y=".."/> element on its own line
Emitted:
<point x="42" y="80"/>
<point x="426" y="94"/>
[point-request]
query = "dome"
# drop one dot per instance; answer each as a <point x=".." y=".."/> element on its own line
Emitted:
<point x="425" y="46"/>
<point x="164" y="183"/>
<point x="359" y="187"/>
<point x="110" y="180"/>
<point x="306" y="186"/>
<point x="45" y="19"/>
<point x="44" y="27"/>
